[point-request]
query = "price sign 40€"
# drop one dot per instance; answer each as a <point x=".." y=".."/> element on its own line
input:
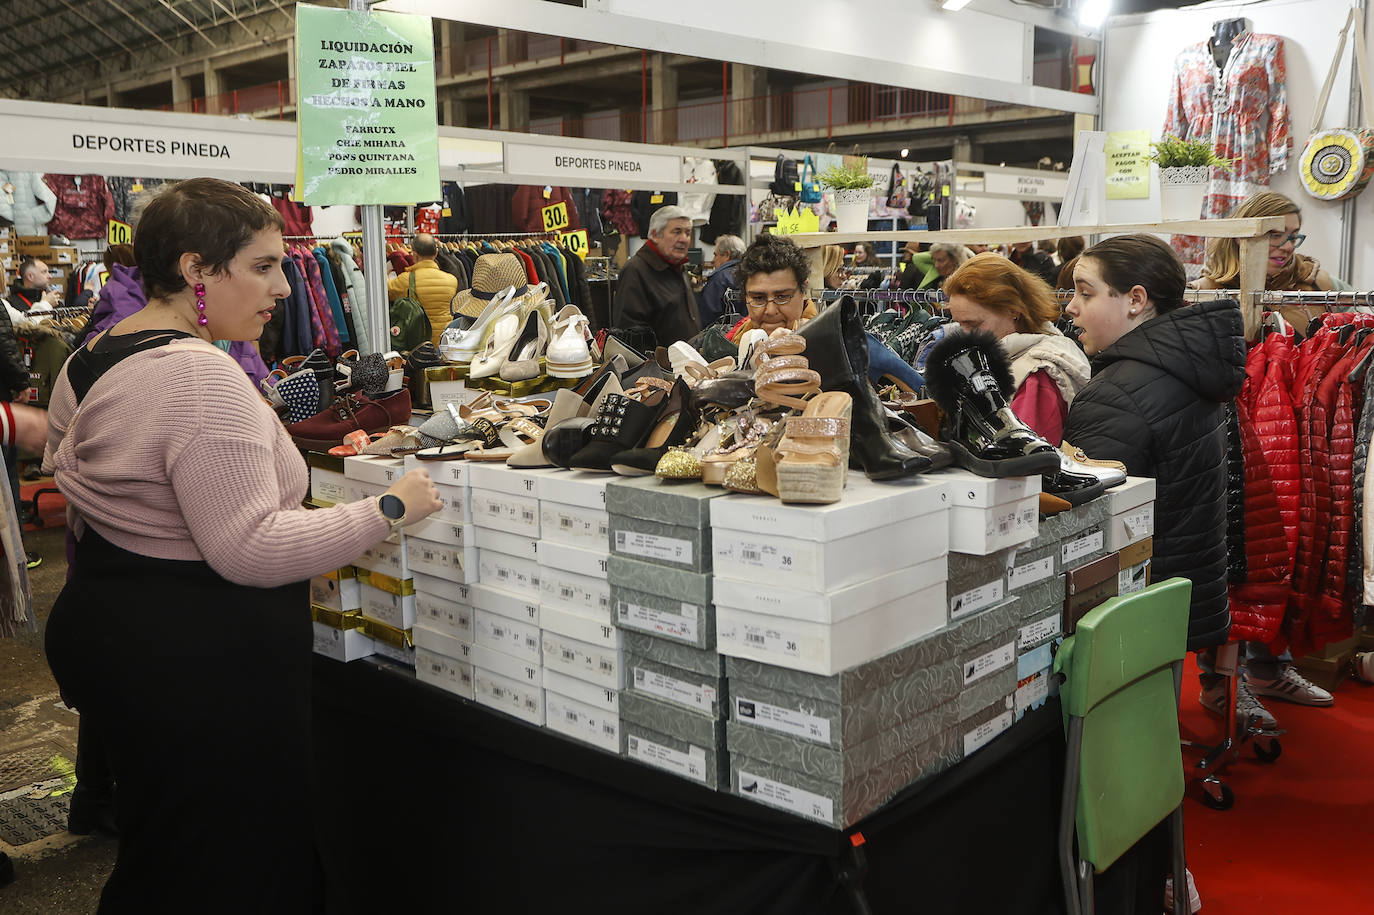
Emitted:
<point x="555" y="217"/>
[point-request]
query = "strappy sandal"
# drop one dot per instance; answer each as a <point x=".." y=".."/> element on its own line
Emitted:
<point x="514" y="435"/>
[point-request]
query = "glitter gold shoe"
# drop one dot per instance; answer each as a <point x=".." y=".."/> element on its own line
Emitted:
<point x="742" y="475"/>
<point x="683" y="462"/>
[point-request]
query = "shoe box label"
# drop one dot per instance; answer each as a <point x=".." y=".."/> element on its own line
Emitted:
<point x="652" y="546"/>
<point x="1002" y="523"/>
<point x="1031" y="691"/>
<point x="760" y="638"/>
<point x="700" y="697"/>
<point x="691" y="764"/>
<point x="674" y="625"/>
<point x="1139" y="522"/>
<point x="976" y="599"/>
<point x="989" y="663"/>
<point x="1129" y="581"/>
<point x="1038" y="632"/>
<point x="977" y="738"/>
<point x="1082" y="546"/>
<point x="1030" y="573"/>
<point x="776" y="794"/>
<point x="786" y="720"/>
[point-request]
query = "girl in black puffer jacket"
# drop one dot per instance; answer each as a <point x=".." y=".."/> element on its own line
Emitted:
<point x="1162" y="375"/>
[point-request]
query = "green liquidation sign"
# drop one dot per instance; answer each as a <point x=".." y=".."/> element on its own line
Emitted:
<point x="367" y="124"/>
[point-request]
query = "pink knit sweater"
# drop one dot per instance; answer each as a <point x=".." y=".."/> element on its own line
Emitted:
<point x="174" y="455"/>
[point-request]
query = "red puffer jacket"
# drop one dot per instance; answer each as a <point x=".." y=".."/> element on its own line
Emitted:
<point x="1268" y="396"/>
<point x="1258" y="604"/>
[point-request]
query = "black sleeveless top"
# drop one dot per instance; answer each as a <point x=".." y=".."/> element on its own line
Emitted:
<point x="91" y="362"/>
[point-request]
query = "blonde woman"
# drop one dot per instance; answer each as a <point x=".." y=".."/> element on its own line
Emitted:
<point x="832" y="266"/>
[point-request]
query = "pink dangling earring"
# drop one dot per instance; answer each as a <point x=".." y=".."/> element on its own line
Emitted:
<point x="200" y="304"/>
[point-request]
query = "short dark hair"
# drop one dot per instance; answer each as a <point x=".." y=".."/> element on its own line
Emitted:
<point x="769" y="254"/>
<point x="424" y="245"/>
<point x="119" y="254"/>
<point x="204" y="216"/>
<point x="1069" y="247"/>
<point x="24" y="266"/>
<point x="1127" y="261"/>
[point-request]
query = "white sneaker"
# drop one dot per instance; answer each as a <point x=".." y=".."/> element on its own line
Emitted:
<point x="1194" y="900"/>
<point x="1292" y="686"/>
<point x="1247" y="706"/>
<point x="569" y="354"/>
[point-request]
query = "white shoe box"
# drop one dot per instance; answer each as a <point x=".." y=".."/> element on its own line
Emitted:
<point x="453" y="474"/>
<point x="335" y="591"/>
<point x="386" y="557"/>
<point x="580" y="721"/>
<point x="866" y="506"/>
<point x="599" y="697"/>
<point x="968" y="490"/>
<point x="985" y="530"/>
<point x="591" y="563"/>
<point x="403" y="655"/>
<point x="455" y="592"/>
<point x="516" y="606"/>
<point x="358" y="490"/>
<point x="514" y="697"/>
<point x="497" y="477"/>
<point x="825" y="649"/>
<point x="441" y="643"/>
<point x="505" y="511"/>
<point x="392" y="604"/>
<point x="443" y="615"/>
<point x="375" y="469"/>
<point x="341" y="644"/>
<point x="506" y="665"/>
<point x="515" y="574"/>
<point x="438" y="529"/>
<point x="810" y="565"/>
<point x="442" y="560"/>
<point x="595" y="630"/>
<point x="449" y="674"/>
<point x="1132" y="512"/>
<point x="515" y="638"/>
<point x="574" y="578"/>
<point x="328" y="487"/>
<point x="572" y="509"/>
<point x="594" y="662"/>
<point x="765" y="596"/>
<point x="498" y="541"/>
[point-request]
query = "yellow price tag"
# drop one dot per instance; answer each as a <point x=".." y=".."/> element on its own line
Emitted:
<point x="796" y="186"/>
<point x="576" y="242"/>
<point x="119" y="233"/>
<point x="446" y="212"/>
<point x="944" y="190"/>
<point x="655" y="199"/>
<point x="555" y="217"/>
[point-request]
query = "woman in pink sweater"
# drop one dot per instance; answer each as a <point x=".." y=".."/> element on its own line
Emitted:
<point x="184" y="627"/>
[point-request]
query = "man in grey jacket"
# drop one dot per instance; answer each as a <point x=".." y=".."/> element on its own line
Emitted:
<point x="653" y="290"/>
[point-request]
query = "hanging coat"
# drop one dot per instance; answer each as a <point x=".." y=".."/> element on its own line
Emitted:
<point x="1259" y="599"/>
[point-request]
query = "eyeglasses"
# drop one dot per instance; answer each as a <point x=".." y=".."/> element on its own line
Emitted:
<point x="760" y="299"/>
<point x="1279" y="239"/>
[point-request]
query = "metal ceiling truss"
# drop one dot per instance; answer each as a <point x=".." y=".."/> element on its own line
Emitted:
<point x="43" y="39"/>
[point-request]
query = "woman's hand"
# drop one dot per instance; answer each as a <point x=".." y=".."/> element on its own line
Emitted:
<point x="419" y="495"/>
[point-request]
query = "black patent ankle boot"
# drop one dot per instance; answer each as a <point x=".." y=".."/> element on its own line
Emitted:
<point x="837" y="349"/>
<point x="968" y="374"/>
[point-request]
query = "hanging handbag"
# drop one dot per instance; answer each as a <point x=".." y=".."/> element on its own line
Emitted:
<point x="786" y="182"/>
<point x="810" y="187"/>
<point x="896" y="189"/>
<point x="1337" y="163"/>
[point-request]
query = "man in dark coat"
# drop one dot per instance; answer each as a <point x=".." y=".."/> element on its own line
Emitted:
<point x="711" y="303"/>
<point x="653" y="290"/>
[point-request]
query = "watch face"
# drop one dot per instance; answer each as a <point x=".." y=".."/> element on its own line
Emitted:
<point x="393" y="507"/>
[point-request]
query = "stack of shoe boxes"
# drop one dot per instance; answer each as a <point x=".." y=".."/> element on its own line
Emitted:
<point x="584" y="664"/>
<point x="672" y="708"/>
<point x="336" y="612"/>
<point x="811" y="601"/>
<point x="1130" y="531"/>
<point x="385" y="583"/>
<point x="442" y="554"/>
<point x="507" y="653"/>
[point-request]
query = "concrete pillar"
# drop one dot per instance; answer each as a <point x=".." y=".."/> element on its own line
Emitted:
<point x="748" y="107"/>
<point x="451" y="56"/>
<point x="181" y="90"/>
<point x="515" y="109"/>
<point x="510" y="47"/>
<point x="663" y="99"/>
<point x="213" y="87"/>
<point x="965" y="150"/>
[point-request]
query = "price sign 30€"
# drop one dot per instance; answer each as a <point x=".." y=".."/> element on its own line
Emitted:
<point x="555" y="217"/>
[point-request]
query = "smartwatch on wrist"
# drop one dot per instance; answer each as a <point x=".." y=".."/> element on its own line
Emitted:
<point x="392" y="508"/>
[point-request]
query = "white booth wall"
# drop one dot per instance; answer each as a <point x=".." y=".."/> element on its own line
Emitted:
<point x="1139" y="60"/>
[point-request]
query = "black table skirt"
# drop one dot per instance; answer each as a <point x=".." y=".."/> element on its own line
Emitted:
<point x="428" y="803"/>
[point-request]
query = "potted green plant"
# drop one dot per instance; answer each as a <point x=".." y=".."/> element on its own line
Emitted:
<point x="853" y="186"/>
<point x="1184" y="167"/>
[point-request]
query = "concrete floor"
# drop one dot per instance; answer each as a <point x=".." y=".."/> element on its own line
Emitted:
<point x="63" y="873"/>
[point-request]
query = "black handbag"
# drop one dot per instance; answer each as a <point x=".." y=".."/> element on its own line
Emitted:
<point x="786" y="179"/>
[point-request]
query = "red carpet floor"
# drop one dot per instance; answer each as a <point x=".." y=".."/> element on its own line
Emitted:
<point x="1300" y="838"/>
<point x="52" y="507"/>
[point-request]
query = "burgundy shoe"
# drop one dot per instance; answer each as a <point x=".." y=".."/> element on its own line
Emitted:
<point x="349" y="412"/>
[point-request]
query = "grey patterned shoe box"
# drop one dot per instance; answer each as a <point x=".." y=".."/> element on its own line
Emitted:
<point x="1042" y="596"/>
<point x="988" y="658"/>
<point x="967" y="570"/>
<point x="685" y="689"/>
<point x="976" y="730"/>
<point x="698" y="661"/>
<point x="840" y="725"/>
<point x="673" y="545"/>
<point x="1030" y="567"/>
<point x="986" y="691"/>
<point x="672" y="720"/>
<point x="1064" y="525"/>
<point x="837" y="764"/>
<point x="1083" y="547"/>
<point x="682" y="504"/>
<point x="839" y="803"/>
<point x="844" y="687"/>
<point x="702" y="764"/>
<point x="669" y="603"/>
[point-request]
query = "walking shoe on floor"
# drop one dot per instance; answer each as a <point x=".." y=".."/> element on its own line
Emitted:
<point x="32" y="560"/>
<point x="1213" y="697"/>
<point x="1194" y="900"/>
<point x="1292" y="686"/>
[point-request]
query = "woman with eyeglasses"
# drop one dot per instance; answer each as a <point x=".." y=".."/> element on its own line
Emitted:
<point x="1285" y="268"/>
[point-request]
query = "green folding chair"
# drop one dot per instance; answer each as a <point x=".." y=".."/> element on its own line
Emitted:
<point x="1124" y="769"/>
